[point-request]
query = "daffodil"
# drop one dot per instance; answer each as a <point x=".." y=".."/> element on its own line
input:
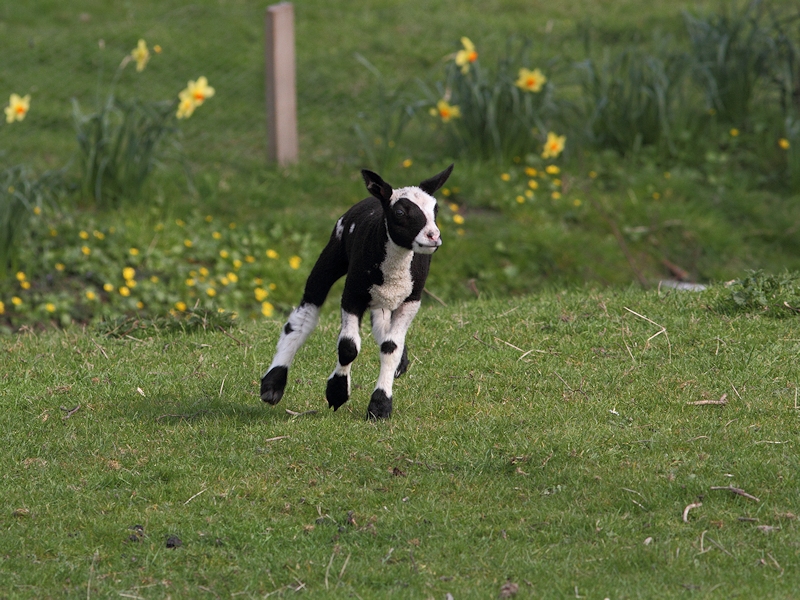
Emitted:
<point x="195" y="93"/>
<point x="467" y="55"/>
<point x="141" y="55"/>
<point x="17" y="107"/>
<point x="531" y="81"/>
<point x="445" y="111"/>
<point x="186" y="107"/>
<point x="554" y="145"/>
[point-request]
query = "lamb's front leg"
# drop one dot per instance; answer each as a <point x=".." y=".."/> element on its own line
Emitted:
<point x="389" y="330"/>
<point x="338" y="389"/>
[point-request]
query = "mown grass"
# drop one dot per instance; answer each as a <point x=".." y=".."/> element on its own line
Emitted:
<point x="548" y="441"/>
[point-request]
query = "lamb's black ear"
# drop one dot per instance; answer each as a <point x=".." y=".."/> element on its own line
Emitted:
<point x="429" y="186"/>
<point x="377" y="186"/>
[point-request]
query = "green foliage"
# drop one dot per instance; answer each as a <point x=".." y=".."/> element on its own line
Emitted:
<point x="731" y="50"/>
<point x="764" y="293"/>
<point x="120" y="145"/>
<point x="632" y="99"/>
<point x="21" y="194"/>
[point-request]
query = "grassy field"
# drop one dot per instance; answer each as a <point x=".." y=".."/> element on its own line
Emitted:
<point x="553" y="442"/>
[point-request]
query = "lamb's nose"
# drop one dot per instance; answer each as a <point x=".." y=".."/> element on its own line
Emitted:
<point x="434" y="237"/>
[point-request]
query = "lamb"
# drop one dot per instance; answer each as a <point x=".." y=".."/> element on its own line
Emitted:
<point x="383" y="245"/>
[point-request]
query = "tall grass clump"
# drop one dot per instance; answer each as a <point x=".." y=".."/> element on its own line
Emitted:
<point x="731" y="50"/>
<point x="631" y="99"/>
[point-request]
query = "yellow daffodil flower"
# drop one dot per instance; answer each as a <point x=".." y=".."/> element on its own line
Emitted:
<point x="467" y="55"/>
<point x="17" y="107"/>
<point x="554" y="145"/>
<point x="445" y="111"/>
<point x="141" y="55"/>
<point x="531" y="81"/>
<point x="186" y="106"/>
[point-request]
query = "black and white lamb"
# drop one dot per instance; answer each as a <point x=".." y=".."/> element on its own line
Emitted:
<point x="384" y="246"/>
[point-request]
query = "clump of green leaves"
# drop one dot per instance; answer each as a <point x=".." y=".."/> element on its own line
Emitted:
<point x="773" y="295"/>
<point x="190" y="320"/>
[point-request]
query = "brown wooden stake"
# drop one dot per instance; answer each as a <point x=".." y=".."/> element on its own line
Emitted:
<point x="281" y="89"/>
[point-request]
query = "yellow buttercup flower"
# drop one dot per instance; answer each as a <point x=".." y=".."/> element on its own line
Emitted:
<point x="60" y="266"/>
<point x="17" y="107"/>
<point x="260" y="294"/>
<point x="216" y="235"/>
<point x="531" y="81"/>
<point x="16" y="300"/>
<point x="407" y="163"/>
<point x="458" y="219"/>
<point x="134" y="251"/>
<point x="108" y="287"/>
<point x="124" y="291"/>
<point x="180" y="305"/>
<point x="249" y="259"/>
<point x="734" y="132"/>
<point x="50" y="307"/>
<point x="2" y="308"/>
<point x="211" y="292"/>
<point x="224" y="253"/>
<point x="25" y="285"/>
<point x="783" y="143"/>
<point x="86" y="250"/>
<point x="272" y="254"/>
<point x="187" y="243"/>
<point x="90" y="295"/>
<point x="141" y="55"/>
<point x="294" y="262"/>
<point x="554" y="145"/>
<point x="505" y="177"/>
<point x="128" y="273"/>
<point x="445" y="111"/>
<point x="552" y="169"/>
<point x="267" y="309"/>
<point x="84" y="235"/>
<point x="21" y="276"/>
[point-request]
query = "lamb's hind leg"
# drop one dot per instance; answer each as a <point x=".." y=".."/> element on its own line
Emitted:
<point x="330" y="266"/>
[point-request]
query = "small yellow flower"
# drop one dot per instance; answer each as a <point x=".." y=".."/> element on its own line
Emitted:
<point x="90" y="295"/>
<point x="577" y="202"/>
<point x="25" y="285"/>
<point x="466" y="55"/>
<point x="60" y="266"/>
<point x="181" y="306"/>
<point x="505" y="177"/>
<point x="237" y="264"/>
<point x="190" y="282"/>
<point x="37" y="210"/>
<point x="16" y="300"/>
<point x="84" y="235"/>
<point x="154" y="279"/>
<point x="2" y="308"/>
<point x="267" y="309"/>
<point x="272" y="254"/>
<point x="211" y="292"/>
<point x="555" y="195"/>
<point x="531" y="172"/>
<point x="128" y="273"/>
<point x="50" y="307"/>
<point x="260" y="294"/>
<point x="21" y="276"/>
<point x="86" y="250"/>
<point x="99" y="234"/>
<point x="203" y="272"/>
<point x="140" y="305"/>
<point x="529" y="194"/>
<point x="458" y="219"/>
<point x="131" y="283"/>
<point x="533" y="184"/>
<point x="453" y="206"/>
<point x="141" y="55"/>
<point x="186" y="107"/>
<point x="216" y="235"/>
<point x="783" y="143"/>
<point x="258" y="281"/>
<point x="294" y="262"/>
<point x="159" y="227"/>
<point x="134" y="251"/>
<point x="553" y="169"/>
<point x="407" y="163"/>
<point x="17" y="107"/>
<point x="592" y="174"/>
<point x="554" y="145"/>
<point x="233" y="277"/>
<point x="224" y="253"/>
<point x="231" y="225"/>
<point x="157" y="49"/>
<point x="249" y="259"/>
<point x="272" y="286"/>
<point x="124" y="291"/>
<point x="445" y="111"/>
<point x="520" y="199"/>
<point x="531" y="81"/>
<point x="734" y="132"/>
<point x="187" y="243"/>
<point x="224" y="280"/>
<point x="108" y="287"/>
<point x="180" y="222"/>
<point x="199" y="90"/>
<point x="656" y="195"/>
<point x="209" y="218"/>
<point x="667" y="174"/>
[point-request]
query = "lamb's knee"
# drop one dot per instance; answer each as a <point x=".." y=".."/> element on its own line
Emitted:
<point x="348" y="351"/>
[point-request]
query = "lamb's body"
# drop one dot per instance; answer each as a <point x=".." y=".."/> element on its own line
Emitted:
<point x="384" y="245"/>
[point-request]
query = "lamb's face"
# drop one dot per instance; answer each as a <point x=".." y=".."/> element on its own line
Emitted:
<point x="411" y="219"/>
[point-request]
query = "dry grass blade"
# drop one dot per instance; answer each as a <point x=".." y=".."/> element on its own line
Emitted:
<point x="688" y="508"/>
<point x="735" y="490"/>
<point x="721" y="402"/>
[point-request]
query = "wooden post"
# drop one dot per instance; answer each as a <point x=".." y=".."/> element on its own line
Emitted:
<point x="280" y="84"/>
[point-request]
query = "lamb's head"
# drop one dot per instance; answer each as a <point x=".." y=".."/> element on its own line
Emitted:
<point x="410" y="212"/>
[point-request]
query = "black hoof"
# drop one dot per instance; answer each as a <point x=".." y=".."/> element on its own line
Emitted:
<point x="380" y="406"/>
<point x="336" y="391"/>
<point x="273" y="384"/>
<point x="403" y="366"/>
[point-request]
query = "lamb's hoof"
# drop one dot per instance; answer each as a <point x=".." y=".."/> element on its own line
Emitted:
<point x="403" y="366"/>
<point x="380" y="406"/>
<point x="336" y="391"/>
<point x="273" y="384"/>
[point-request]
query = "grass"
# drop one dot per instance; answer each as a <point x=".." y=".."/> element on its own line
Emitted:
<point x="549" y="441"/>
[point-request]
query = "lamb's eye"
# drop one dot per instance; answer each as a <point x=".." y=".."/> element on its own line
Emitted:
<point x="399" y="212"/>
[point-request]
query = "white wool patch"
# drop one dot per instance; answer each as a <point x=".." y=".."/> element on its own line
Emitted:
<point x="397" y="284"/>
<point x="303" y="320"/>
<point x="340" y="229"/>
<point x="352" y="227"/>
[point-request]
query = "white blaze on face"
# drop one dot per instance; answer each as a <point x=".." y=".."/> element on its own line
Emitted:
<point x="429" y="237"/>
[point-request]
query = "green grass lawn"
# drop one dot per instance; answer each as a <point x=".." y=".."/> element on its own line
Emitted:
<point x="547" y="441"/>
